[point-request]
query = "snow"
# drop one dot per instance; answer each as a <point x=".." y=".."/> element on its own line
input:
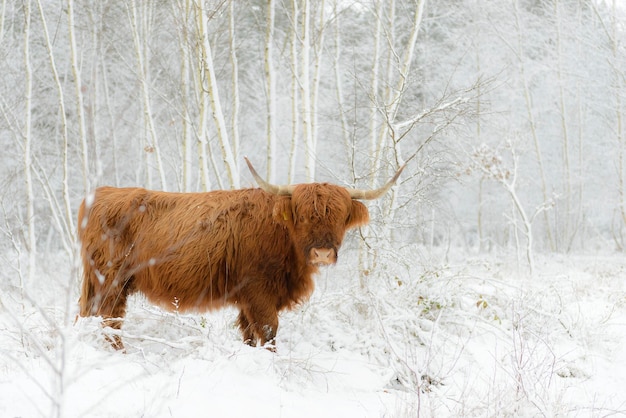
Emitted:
<point x="459" y="335"/>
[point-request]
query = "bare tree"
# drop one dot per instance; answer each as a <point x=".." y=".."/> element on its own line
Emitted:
<point x="210" y="88"/>
<point x="375" y="114"/>
<point x="140" y="23"/>
<point x="492" y="166"/>
<point x="27" y="147"/>
<point x="182" y="9"/>
<point x="619" y="81"/>
<point x="305" y="92"/>
<point x="395" y="96"/>
<point x="295" y="88"/>
<point x="567" y="178"/>
<point x="68" y="219"/>
<point x="79" y="96"/>
<point x="234" y="62"/>
<point x="202" y="130"/>
<point x="270" y="97"/>
<point x="519" y="50"/>
<point x="2" y="19"/>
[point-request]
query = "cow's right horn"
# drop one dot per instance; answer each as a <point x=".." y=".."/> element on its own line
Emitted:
<point x="375" y="194"/>
<point x="268" y="187"/>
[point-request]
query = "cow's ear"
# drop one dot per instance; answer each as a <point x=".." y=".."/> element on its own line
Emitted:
<point x="358" y="215"/>
<point x="282" y="210"/>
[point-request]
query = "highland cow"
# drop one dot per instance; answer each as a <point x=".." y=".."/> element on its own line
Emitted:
<point x="254" y="249"/>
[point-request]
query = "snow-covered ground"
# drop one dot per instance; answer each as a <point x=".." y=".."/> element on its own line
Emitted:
<point x="427" y="336"/>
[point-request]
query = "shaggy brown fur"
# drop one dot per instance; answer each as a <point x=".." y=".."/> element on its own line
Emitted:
<point x="198" y="251"/>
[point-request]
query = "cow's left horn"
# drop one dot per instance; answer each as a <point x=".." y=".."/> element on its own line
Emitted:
<point x="375" y="194"/>
<point x="268" y="187"/>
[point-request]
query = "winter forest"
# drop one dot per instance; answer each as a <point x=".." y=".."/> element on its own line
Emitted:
<point x="490" y="281"/>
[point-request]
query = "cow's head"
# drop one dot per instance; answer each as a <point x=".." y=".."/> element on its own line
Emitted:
<point x="318" y="214"/>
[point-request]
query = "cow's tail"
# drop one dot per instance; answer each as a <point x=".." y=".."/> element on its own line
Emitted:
<point x="87" y="295"/>
<point x="88" y="291"/>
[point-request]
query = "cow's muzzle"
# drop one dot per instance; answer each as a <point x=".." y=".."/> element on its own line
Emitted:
<point x="322" y="256"/>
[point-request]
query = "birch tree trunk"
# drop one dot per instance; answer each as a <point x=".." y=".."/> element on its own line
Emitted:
<point x="203" y="102"/>
<point x="207" y="71"/>
<point x="28" y="179"/>
<point x="305" y="93"/>
<point x="619" y="125"/>
<point x="68" y="219"/>
<point x="3" y="9"/>
<point x="366" y="260"/>
<point x="319" y="59"/>
<point x="375" y="74"/>
<point x="79" y="97"/>
<point x="152" y="144"/>
<point x="183" y="9"/>
<point x="271" y="92"/>
<point x="479" y="209"/>
<point x="2" y="18"/>
<point x="185" y="119"/>
<point x="91" y="89"/>
<point x="396" y="95"/>
<point x="295" y="88"/>
<point x="581" y="144"/>
<point x="345" y="131"/>
<point x="234" y="82"/>
<point x="532" y="122"/>
<point x="109" y="111"/>
<point x="566" y="233"/>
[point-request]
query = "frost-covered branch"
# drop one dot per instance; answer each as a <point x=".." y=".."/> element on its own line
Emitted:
<point x="397" y="126"/>
<point x="491" y="165"/>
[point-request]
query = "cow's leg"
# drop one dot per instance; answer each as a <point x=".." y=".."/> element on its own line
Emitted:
<point x="246" y="329"/>
<point x="114" y="340"/>
<point x="112" y="308"/>
<point x="264" y="323"/>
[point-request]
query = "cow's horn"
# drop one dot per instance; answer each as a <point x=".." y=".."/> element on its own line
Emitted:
<point x="268" y="187"/>
<point x="375" y="194"/>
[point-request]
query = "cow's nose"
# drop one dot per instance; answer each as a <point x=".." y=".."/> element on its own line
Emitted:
<point x="323" y="256"/>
